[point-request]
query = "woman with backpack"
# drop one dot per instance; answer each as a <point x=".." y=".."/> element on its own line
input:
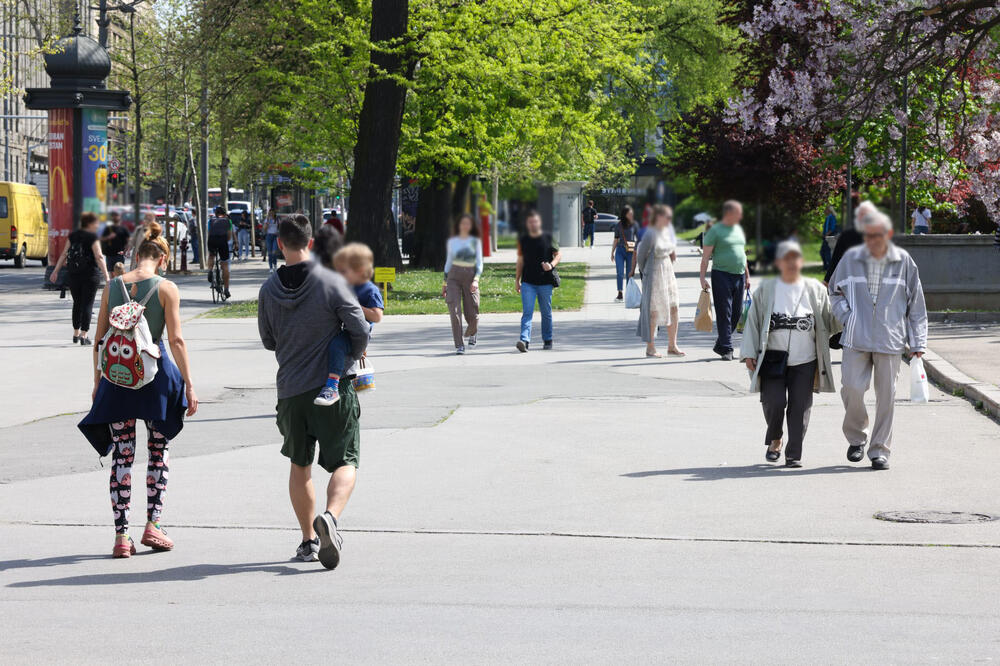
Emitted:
<point x="84" y="262"/>
<point x="135" y="379"/>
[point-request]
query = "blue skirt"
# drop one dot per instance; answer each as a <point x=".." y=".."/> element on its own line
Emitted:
<point x="161" y="402"/>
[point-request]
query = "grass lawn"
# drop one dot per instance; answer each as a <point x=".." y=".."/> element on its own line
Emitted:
<point x="691" y="234"/>
<point x="419" y="292"/>
<point x="507" y="242"/>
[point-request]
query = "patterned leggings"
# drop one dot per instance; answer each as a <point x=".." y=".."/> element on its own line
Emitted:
<point x="123" y="436"/>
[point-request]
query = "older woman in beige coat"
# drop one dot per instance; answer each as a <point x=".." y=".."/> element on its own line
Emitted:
<point x="786" y="348"/>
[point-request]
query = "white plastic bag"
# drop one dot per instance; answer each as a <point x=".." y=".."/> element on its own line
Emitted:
<point x="633" y="295"/>
<point x="919" y="388"/>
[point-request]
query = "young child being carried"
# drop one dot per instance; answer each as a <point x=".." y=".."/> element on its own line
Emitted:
<point x="355" y="262"/>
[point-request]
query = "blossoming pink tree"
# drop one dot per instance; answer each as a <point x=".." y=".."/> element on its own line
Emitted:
<point x="863" y="72"/>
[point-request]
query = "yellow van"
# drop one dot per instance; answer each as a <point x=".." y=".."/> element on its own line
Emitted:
<point x="24" y="231"/>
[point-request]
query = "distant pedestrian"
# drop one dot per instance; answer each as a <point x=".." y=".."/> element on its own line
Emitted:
<point x="138" y="235"/>
<point x="725" y="247"/>
<point x="829" y="230"/>
<point x="242" y="221"/>
<point x="301" y="307"/>
<point x="878" y="298"/>
<point x="271" y="239"/>
<point x="462" y="270"/>
<point x="655" y="259"/>
<point x="922" y="220"/>
<point x="589" y="220"/>
<point x="786" y="348"/>
<point x="162" y="403"/>
<point x="114" y="242"/>
<point x="220" y="238"/>
<point x="85" y="268"/>
<point x="537" y="258"/>
<point x="623" y="247"/>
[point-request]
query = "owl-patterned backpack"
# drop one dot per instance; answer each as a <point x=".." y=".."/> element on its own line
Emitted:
<point x="128" y="355"/>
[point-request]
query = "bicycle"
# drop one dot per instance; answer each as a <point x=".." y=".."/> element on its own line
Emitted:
<point x="216" y="284"/>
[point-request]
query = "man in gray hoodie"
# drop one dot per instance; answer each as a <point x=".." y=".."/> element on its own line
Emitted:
<point x="301" y="307"/>
<point x="876" y="295"/>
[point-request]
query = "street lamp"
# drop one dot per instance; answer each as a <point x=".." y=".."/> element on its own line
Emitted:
<point x="103" y="20"/>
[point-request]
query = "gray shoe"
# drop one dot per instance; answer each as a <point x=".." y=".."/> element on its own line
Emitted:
<point x="459" y="350"/>
<point x="880" y="462"/>
<point x="330" y="540"/>
<point x="522" y="346"/>
<point x="307" y="551"/>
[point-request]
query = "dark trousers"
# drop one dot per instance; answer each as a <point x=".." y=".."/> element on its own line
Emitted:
<point x="826" y="254"/>
<point x="727" y="291"/>
<point x="83" y="290"/>
<point x="788" y="398"/>
<point x="588" y="232"/>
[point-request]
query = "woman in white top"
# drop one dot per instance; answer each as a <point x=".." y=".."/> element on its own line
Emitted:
<point x="786" y="348"/>
<point x="655" y="258"/>
<point x="461" y="280"/>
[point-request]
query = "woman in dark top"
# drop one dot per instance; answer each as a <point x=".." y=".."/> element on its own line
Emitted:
<point x="85" y="267"/>
<point x="537" y="257"/>
<point x="623" y="248"/>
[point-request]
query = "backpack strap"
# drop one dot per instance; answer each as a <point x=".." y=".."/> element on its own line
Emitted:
<point x="121" y="281"/>
<point x="152" y="290"/>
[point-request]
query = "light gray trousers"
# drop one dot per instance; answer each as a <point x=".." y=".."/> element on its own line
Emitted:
<point x="857" y="370"/>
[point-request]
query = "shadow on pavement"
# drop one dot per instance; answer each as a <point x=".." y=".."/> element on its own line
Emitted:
<point x="745" y="472"/>
<point x="188" y="573"/>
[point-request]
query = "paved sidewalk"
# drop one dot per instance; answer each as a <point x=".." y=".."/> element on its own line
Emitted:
<point x="580" y="505"/>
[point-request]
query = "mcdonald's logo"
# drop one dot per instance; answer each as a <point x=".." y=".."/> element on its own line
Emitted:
<point x="58" y="170"/>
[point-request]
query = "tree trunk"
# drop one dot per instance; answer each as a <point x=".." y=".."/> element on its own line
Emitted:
<point x="224" y="169"/>
<point x="434" y="207"/>
<point x="370" y="218"/>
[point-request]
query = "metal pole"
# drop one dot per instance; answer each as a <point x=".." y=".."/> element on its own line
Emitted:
<point x="203" y="177"/>
<point x="848" y="204"/>
<point x="6" y="100"/>
<point x="903" y="149"/>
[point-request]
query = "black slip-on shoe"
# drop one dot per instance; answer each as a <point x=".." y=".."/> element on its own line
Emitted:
<point x="880" y="463"/>
<point x="547" y="344"/>
<point x="330" y="540"/>
<point x="856" y="453"/>
<point x="792" y="462"/>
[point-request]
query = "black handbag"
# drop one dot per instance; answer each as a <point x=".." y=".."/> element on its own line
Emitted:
<point x="775" y="364"/>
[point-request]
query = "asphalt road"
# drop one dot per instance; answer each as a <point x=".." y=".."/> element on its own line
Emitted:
<point x="580" y="505"/>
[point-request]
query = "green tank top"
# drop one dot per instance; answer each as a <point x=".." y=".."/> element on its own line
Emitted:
<point x="154" y="315"/>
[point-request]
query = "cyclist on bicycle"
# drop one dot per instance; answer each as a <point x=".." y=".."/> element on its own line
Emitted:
<point x="220" y="233"/>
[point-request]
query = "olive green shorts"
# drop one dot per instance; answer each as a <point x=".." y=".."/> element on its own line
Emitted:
<point x="336" y="428"/>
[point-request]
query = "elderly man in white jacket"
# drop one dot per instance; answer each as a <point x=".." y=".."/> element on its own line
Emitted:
<point x="877" y="297"/>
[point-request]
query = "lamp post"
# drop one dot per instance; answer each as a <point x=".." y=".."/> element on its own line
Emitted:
<point x="78" y="103"/>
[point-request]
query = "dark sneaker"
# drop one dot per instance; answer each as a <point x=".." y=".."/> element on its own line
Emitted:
<point x="85" y="341"/>
<point x="228" y="295"/>
<point x="547" y="344"/>
<point x="330" y="540"/>
<point x="308" y="551"/>
<point x="880" y="462"/>
<point x="728" y="356"/>
<point x="472" y="341"/>
<point x="855" y="453"/>
<point x="459" y="350"/>
<point x="522" y="346"/>
<point x="792" y="462"/>
<point x="76" y="339"/>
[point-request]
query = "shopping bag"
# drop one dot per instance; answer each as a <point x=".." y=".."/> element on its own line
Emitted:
<point x="747" y="302"/>
<point x="919" y="387"/>
<point x="365" y="380"/>
<point x="633" y="295"/>
<point x="703" y="315"/>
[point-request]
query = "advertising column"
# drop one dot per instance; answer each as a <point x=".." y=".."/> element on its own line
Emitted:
<point x="94" y="145"/>
<point x="60" y="180"/>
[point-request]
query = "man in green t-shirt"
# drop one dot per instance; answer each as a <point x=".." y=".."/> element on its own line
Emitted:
<point x="725" y="246"/>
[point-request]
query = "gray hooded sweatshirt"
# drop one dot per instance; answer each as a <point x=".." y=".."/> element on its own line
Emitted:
<point x="298" y="323"/>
